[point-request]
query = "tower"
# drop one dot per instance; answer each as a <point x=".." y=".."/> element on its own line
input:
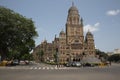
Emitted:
<point x="74" y="32"/>
<point x="89" y="42"/>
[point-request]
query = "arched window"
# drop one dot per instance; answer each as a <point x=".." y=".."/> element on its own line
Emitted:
<point x="76" y="41"/>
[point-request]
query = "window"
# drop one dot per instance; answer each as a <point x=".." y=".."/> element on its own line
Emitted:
<point x="76" y="41"/>
<point x="67" y="47"/>
<point x="76" y="46"/>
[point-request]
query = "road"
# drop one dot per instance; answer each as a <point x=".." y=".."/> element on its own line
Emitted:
<point x="87" y="73"/>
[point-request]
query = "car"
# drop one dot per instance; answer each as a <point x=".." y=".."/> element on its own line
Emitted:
<point x="4" y="63"/>
<point x="15" y="62"/>
<point x="22" y="62"/>
<point x="12" y="62"/>
<point x="73" y="64"/>
<point x="69" y="64"/>
<point x="76" y="64"/>
<point x="88" y="65"/>
<point x="26" y="62"/>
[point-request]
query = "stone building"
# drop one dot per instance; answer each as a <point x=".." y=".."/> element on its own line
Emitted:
<point x="71" y="45"/>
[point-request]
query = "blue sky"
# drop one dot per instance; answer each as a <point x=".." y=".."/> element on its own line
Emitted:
<point x="101" y="17"/>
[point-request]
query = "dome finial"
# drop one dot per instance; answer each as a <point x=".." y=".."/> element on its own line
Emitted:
<point x="62" y="29"/>
<point x="55" y="35"/>
<point x="72" y="3"/>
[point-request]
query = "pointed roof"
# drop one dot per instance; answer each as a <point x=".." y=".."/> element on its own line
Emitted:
<point x="72" y="3"/>
<point x="89" y="34"/>
<point x="62" y="32"/>
<point x="45" y="40"/>
<point x="73" y="9"/>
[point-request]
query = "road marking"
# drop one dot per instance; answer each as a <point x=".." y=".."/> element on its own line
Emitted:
<point x="31" y="68"/>
<point x="43" y="68"/>
<point x="56" y="68"/>
<point x="48" y="68"/>
<point x="39" y="67"/>
<point x="51" y="68"/>
<point x="35" y="68"/>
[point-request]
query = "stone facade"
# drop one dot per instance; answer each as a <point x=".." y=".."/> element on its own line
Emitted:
<point x="71" y="45"/>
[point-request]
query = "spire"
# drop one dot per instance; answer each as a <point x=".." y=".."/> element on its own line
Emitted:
<point x="62" y="29"/>
<point x="45" y="40"/>
<point x="55" y="35"/>
<point x="89" y="33"/>
<point x="72" y="3"/>
<point x="73" y="9"/>
<point x="81" y="19"/>
<point x="73" y="15"/>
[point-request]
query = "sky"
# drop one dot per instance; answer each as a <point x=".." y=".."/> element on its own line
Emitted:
<point x="101" y="17"/>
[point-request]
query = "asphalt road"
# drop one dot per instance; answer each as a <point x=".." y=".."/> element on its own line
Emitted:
<point x="107" y="73"/>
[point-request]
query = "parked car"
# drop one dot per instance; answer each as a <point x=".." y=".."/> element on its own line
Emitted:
<point x="15" y="62"/>
<point x="88" y="65"/>
<point x="22" y="62"/>
<point x="12" y="62"/>
<point x="69" y="64"/>
<point x="3" y="63"/>
<point x="76" y="64"/>
<point x="26" y="62"/>
<point x="73" y="64"/>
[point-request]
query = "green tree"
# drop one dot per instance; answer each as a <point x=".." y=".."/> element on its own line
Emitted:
<point x="27" y="57"/>
<point x="101" y="54"/>
<point x="16" y="33"/>
<point x="114" y="58"/>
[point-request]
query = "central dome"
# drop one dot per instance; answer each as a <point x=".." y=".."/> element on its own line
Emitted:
<point x="73" y="10"/>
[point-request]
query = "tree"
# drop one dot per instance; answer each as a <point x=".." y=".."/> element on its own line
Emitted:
<point x="114" y="57"/>
<point x="101" y="54"/>
<point x="16" y="33"/>
<point x="27" y="57"/>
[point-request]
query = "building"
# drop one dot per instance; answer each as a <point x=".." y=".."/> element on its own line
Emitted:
<point x="71" y="45"/>
<point x="116" y="51"/>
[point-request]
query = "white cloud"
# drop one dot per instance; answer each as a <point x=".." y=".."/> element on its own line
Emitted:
<point x="92" y="28"/>
<point x="113" y="12"/>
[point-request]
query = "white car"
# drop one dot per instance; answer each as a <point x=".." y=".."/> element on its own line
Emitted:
<point x="76" y="64"/>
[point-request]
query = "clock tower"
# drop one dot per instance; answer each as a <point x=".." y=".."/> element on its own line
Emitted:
<point x="74" y="31"/>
